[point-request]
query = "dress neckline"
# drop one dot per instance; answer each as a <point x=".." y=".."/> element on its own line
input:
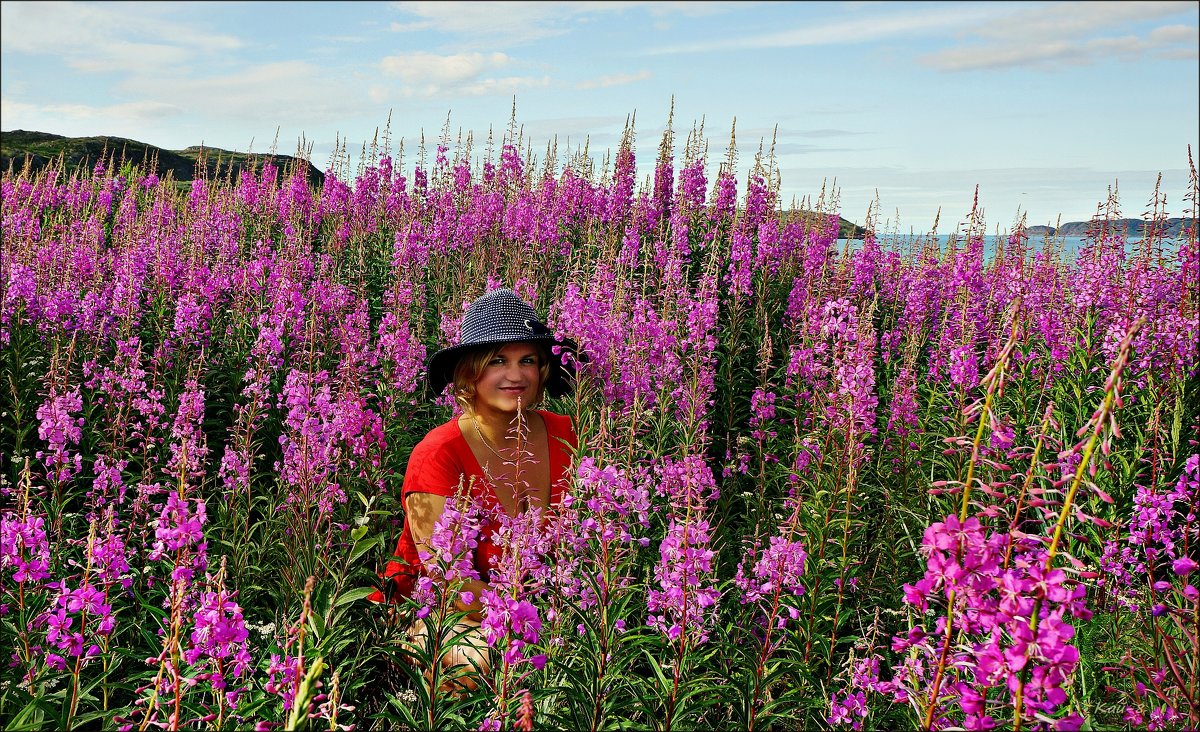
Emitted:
<point x="555" y="465"/>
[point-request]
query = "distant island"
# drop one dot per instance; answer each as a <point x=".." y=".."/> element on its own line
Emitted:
<point x="1175" y="228"/>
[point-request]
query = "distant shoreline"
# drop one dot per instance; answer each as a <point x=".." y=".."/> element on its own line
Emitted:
<point x="39" y="149"/>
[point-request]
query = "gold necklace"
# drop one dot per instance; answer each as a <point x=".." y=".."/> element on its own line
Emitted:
<point x="488" y="445"/>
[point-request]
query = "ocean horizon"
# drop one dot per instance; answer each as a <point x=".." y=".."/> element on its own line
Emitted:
<point x="1037" y="243"/>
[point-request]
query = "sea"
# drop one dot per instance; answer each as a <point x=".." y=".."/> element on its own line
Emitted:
<point x="1068" y="245"/>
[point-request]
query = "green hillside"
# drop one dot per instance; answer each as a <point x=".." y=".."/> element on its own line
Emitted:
<point x="21" y="148"/>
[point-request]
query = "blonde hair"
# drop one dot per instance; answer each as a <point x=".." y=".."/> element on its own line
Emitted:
<point x="470" y="368"/>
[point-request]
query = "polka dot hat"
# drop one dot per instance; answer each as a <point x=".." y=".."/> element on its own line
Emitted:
<point x="498" y="317"/>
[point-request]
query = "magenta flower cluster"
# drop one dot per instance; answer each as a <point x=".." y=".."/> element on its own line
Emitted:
<point x="24" y="548"/>
<point x="219" y="640"/>
<point x="1010" y="622"/>
<point x="685" y="595"/>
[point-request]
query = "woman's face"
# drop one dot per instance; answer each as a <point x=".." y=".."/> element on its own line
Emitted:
<point x="513" y="376"/>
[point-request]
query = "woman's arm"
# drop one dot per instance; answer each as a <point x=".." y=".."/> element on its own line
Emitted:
<point x="422" y="512"/>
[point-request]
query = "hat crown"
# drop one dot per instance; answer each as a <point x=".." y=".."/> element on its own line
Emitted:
<point x="500" y="315"/>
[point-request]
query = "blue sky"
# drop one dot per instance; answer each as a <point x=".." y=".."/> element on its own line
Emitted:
<point x="1042" y="105"/>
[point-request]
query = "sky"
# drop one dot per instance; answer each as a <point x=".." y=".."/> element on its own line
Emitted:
<point x="1043" y="106"/>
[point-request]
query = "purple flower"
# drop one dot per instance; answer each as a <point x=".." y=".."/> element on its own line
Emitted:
<point x="511" y="620"/>
<point x="685" y="595"/>
<point x="219" y="639"/>
<point x="24" y="548"/>
<point x="1183" y="566"/>
<point x="60" y="429"/>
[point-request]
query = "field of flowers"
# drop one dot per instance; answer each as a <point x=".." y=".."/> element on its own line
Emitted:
<point x="818" y="486"/>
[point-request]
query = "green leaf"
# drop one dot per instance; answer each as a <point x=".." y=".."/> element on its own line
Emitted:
<point x="363" y="547"/>
<point x="353" y="595"/>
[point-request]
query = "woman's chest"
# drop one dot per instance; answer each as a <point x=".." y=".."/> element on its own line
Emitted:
<point x="514" y="487"/>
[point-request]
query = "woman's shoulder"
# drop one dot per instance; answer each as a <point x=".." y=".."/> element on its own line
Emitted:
<point x="436" y="462"/>
<point x="558" y="425"/>
<point x="438" y="438"/>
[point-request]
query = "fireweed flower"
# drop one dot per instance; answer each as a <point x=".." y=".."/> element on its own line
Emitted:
<point x="282" y="677"/>
<point x="683" y="601"/>
<point x="605" y="514"/>
<point x="267" y="261"/>
<point x="179" y="533"/>
<point x="326" y="433"/>
<point x="850" y="705"/>
<point x="218" y="639"/>
<point x="778" y="567"/>
<point x="903" y="419"/>
<point x="60" y="429"/>
<point x="523" y="565"/>
<point x="1160" y="526"/>
<point x="618" y="505"/>
<point x="74" y="623"/>
<point x="24" y="548"/>
<point x="775" y="577"/>
<point x="964" y="367"/>
<point x="265" y="360"/>
<point x="451" y="550"/>
<point x="511" y="624"/>
<point x="991" y="609"/>
<point x="847" y="708"/>
<point x="108" y="553"/>
<point x="686" y="482"/>
<point x="187" y="444"/>
<point x="109" y="483"/>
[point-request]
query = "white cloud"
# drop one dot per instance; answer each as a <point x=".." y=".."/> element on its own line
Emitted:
<point x="605" y="82"/>
<point x="509" y="22"/>
<point x="690" y="9"/>
<point x="425" y="74"/>
<point x="140" y="121"/>
<point x="1047" y="54"/>
<point x="1052" y="36"/>
<point x="440" y="71"/>
<point x="1074" y="19"/>
<point x="506" y="86"/>
<point x="514" y="23"/>
<point x="1044" y="35"/>
<point x="18" y="114"/>
<point x="262" y="92"/>
<point x="106" y="37"/>
<point x="850" y="29"/>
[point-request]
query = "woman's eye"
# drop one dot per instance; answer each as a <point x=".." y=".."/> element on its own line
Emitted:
<point x="495" y="362"/>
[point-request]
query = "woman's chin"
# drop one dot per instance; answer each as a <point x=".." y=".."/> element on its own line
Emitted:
<point x="507" y="405"/>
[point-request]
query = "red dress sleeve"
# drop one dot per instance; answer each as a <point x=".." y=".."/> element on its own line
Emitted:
<point x="563" y="442"/>
<point x="435" y="466"/>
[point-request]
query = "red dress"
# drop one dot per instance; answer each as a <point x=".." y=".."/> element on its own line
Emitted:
<point x="437" y="465"/>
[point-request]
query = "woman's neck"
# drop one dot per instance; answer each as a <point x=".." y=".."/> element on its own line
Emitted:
<point x="500" y="427"/>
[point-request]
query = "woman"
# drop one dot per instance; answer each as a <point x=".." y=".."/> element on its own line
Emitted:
<point x="509" y="456"/>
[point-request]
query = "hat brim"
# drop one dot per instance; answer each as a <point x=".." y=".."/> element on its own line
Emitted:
<point x="561" y="381"/>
